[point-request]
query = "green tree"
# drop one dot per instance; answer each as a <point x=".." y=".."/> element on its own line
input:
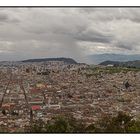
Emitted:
<point x="36" y="127"/>
<point x="58" y="125"/>
<point x="90" y="128"/>
<point x="134" y="127"/>
<point x="118" y="124"/>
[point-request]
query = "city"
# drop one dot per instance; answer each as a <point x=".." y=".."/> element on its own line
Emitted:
<point x="41" y="90"/>
<point x="69" y="70"/>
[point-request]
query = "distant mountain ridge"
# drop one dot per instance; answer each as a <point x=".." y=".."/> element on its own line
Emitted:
<point x="105" y="63"/>
<point x="135" y="63"/>
<point x="66" y="60"/>
<point x="98" y="58"/>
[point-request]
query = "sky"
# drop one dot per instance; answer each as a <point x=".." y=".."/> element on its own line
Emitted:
<point x="68" y="32"/>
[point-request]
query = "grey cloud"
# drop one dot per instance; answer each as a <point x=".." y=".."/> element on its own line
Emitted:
<point x="3" y="17"/>
<point x="94" y="37"/>
<point x="52" y="32"/>
<point x="124" y="46"/>
<point x="109" y="14"/>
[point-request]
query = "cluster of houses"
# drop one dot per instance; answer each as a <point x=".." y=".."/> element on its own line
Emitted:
<point x="26" y="95"/>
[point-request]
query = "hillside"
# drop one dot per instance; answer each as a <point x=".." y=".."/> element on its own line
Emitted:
<point x="66" y="60"/>
<point x="122" y="64"/>
<point x="98" y="58"/>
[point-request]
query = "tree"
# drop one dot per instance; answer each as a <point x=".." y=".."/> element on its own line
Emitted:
<point x="36" y="127"/>
<point x="122" y="123"/>
<point x="60" y="125"/>
<point x="3" y="112"/>
<point x="117" y="124"/>
<point x="134" y="127"/>
<point x="90" y="128"/>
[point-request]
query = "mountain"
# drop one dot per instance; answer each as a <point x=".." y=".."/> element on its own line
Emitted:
<point x="135" y="64"/>
<point x="105" y="63"/>
<point x="65" y="60"/>
<point x="98" y="58"/>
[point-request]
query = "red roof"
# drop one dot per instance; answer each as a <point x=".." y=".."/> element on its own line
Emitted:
<point x="36" y="107"/>
<point x="34" y="90"/>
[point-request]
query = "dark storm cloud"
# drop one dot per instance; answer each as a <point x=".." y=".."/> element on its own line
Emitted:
<point x="3" y="17"/>
<point x="6" y="18"/>
<point x="94" y="37"/>
<point x="124" y="46"/>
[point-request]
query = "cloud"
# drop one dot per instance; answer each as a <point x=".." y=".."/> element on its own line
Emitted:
<point x="3" y="17"/>
<point x="94" y="36"/>
<point x="68" y="32"/>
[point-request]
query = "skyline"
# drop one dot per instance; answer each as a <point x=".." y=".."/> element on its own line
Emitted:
<point x="27" y="33"/>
